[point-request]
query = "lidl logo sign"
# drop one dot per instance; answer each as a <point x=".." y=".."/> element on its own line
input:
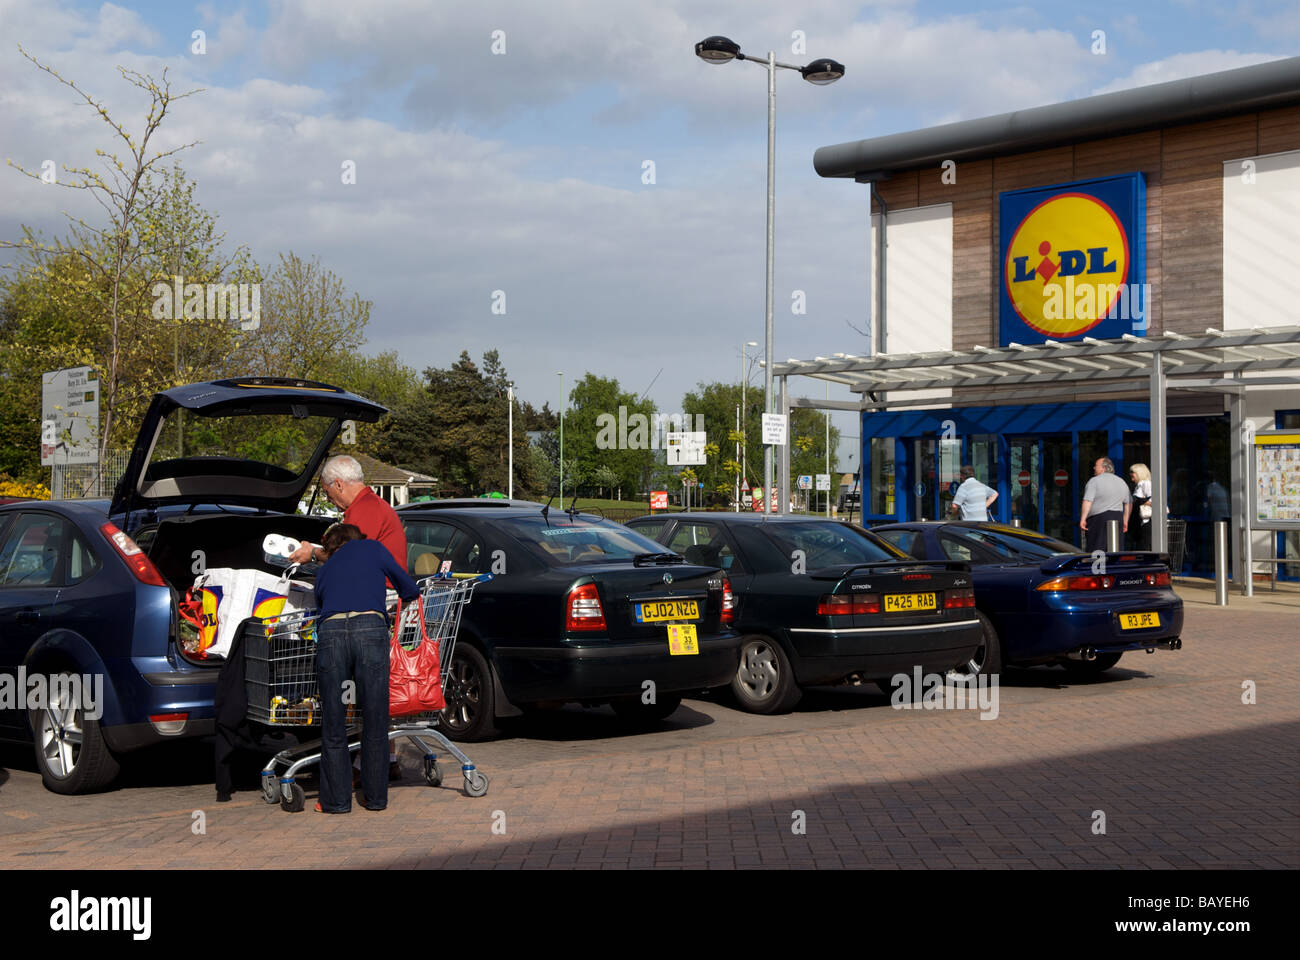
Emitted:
<point x="1073" y="261"/>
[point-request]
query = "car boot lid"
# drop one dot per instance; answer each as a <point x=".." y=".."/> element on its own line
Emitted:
<point x="148" y="482"/>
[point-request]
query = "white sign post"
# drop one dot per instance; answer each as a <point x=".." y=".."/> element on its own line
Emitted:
<point x="823" y="481"/>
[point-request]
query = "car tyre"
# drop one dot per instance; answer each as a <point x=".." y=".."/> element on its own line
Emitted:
<point x="764" y="681"/>
<point x="71" y="753"/>
<point x="632" y="710"/>
<point x="1091" y="668"/>
<point x="985" y="661"/>
<point x="470" y="711"/>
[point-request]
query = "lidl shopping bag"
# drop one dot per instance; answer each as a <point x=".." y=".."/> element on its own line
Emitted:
<point x="224" y="597"/>
<point x="415" y="675"/>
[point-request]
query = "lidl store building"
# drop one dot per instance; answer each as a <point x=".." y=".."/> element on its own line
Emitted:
<point x="1050" y="283"/>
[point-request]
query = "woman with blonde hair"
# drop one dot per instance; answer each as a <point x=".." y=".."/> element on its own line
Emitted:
<point x="1141" y="478"/>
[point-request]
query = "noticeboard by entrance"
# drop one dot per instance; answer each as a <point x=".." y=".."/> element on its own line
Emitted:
<point x="1275" y="494"/>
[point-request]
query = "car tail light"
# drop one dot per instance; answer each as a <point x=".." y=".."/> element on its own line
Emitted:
<point x="916" y="576"/>
<point x="1158" y="579"/>
<point x="728" y="602"/>
<point x="135" y="558"/>
<point x="1077" y="583"/>
<point x="958" y="599"/>
<point x="584" y="611"/>
<point x="843" y="604"/>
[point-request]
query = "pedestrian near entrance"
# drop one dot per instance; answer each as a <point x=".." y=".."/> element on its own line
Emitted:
<point x="352" y="657"/>
<point x="972" y="498"/>
<point x="1141" y="478"/>
<point x="1105" y="498"/>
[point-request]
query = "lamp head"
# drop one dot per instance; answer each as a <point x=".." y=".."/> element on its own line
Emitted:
<point x="717" y="50"/>
<point x="822" y="71"/>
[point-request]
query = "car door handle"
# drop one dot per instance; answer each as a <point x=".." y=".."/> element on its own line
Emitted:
<point x="26" y="615"/>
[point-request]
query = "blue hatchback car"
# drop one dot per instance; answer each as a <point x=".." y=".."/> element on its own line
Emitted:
<point x="1045" y="601"/>
<point x="94" y="658"/>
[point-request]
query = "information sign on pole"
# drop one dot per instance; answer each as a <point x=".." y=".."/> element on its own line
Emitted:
<point x="774" y="429"/>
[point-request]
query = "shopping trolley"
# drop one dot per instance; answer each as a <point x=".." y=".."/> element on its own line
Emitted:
<point x="280" y="680"/>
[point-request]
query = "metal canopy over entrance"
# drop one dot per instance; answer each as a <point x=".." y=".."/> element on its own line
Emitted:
<point x="1227" y="362"/>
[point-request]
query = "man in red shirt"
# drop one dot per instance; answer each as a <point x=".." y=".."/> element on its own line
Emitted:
<point x="344" y="485"/>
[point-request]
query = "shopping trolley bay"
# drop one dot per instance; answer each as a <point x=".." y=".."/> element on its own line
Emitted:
<point x="711" y="785"/>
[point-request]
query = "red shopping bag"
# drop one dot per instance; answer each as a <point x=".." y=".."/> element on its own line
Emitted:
<point x="415" y="676"/>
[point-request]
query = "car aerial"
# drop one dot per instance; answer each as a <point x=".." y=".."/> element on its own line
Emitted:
<point x="1046" y="601"/>
<point x="578" y="611"/>
<point x="90" y="588"/>
<point x="823" y="602"/>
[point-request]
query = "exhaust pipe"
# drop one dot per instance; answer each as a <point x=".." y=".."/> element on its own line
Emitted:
<point x="1083" y="653"/>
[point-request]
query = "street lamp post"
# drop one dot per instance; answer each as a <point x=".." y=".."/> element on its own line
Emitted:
<point x="742" y="419"/>
<point x="719" y="50"/>
<point x="561" y="376"/>
<point x="510" y="438"/>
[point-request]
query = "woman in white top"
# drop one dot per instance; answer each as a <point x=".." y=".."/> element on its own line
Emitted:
<point x="1141" y="478"/>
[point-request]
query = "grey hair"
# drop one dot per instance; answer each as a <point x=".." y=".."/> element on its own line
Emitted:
<point x="1107" y="465"/>
<point x="343" y="468"/>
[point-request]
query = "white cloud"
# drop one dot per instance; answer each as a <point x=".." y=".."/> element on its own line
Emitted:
<point x="1182" y="65"/>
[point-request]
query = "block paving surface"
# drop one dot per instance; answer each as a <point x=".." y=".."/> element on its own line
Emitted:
<point x="1161" y="751"/>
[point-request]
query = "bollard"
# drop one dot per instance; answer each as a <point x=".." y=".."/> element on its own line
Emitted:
<point x="1112" y="536"/>
<point x="1015" y="521"/>
<point x="1220" y="563"/>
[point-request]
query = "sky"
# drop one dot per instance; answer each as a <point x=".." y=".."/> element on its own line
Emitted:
<point x="570" y="162"/>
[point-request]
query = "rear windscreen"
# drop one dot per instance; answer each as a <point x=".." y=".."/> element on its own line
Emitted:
<point x="273" y="446"/>
<point x="564" y="541"/>
<point x="826" y="544"/>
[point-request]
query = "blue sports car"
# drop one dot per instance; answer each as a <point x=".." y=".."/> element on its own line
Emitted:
<point x="1045" y="601"/>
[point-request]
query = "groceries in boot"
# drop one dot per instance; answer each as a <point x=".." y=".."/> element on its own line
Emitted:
<point x="223" y="598"/>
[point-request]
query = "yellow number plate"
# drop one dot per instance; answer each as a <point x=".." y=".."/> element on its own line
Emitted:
<point x="682" y="639"/>
<point x="903" y="602"/>
<point x="1138" y="621"/>
<point x="658" y="611"/>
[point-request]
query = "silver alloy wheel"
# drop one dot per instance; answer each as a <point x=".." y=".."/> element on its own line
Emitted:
<point x="759" y="671"/>
<point x="972" y="668"/>
<point x="464" y="694"/>
<point x="60" y="734"/>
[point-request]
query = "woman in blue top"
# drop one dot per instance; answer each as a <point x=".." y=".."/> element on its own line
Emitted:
<point x="353" y="645"/>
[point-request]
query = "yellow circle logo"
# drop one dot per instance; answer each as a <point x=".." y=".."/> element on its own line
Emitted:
<point x="1066" y="263"/>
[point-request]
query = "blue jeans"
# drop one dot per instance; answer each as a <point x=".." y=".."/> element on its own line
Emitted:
<point x="353" y="649"/>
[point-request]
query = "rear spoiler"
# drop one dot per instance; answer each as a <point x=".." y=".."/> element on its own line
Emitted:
<point x="1074" y="561"/>
<point x="841" y="570"/>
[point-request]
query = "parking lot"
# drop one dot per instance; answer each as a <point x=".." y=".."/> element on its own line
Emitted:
<point x="1157" y="764"/>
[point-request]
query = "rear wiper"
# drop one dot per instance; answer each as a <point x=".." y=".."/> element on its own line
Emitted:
<point x="641" y="558"/>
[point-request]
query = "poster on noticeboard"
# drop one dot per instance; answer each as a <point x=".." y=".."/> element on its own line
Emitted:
<point x="1275" y="494"/>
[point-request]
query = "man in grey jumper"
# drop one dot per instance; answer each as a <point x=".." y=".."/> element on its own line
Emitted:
<point x="1105" y="498"/>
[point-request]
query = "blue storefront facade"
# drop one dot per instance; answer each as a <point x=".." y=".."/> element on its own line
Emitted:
<point x="1039" y="457"/>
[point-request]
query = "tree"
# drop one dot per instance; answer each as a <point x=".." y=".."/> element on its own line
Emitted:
<point x="307" y="320"/>
<point x="51" y="317"/>
<point x="111" y="254"/>
<point x="600" y="430"/>
<point x="455" y="428"/>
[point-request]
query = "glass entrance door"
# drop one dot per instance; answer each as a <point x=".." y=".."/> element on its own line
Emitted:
<point x="1023" y="460"/>
<point x="1058" y="489"/>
